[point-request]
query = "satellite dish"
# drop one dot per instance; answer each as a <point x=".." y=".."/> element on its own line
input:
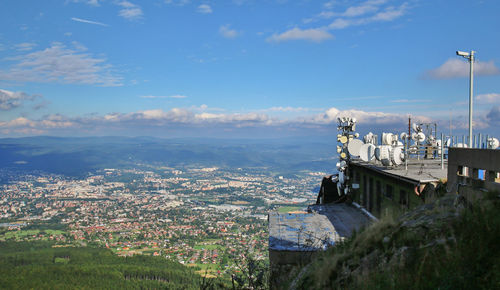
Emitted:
<point x="418" y="137"/>
<point x="403" y="136"/>
<point x="343" y="139"/>
<point x="343" y="155"/>
<point x="416" y="128"/>
<point x="397" y="156"/>
<point x="384" y="154"/>
<point x="367" y="152"/>
<point x="387" y="138"/>
<point x="368" y="138"/>
<point x="354" y="146"/>
<point x="493" y="143"/>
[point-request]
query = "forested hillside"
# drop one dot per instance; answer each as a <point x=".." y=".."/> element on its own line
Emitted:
<point x="38" y="265"/>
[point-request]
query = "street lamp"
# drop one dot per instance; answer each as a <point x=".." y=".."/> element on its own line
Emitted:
<point x="470" y="57"/>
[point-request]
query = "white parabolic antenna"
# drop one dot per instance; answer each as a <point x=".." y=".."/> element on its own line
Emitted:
<point x="354" y="146"/>
<point x="397" y="156"/>
<point x="493" y="143"/>
<point x="367" y="152"/>
<point x="384" y="154"/>
<point x="387" y="138"/>
<point x="418" y="137"/>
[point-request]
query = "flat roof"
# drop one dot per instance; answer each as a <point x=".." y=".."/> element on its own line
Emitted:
<point x="419" y="171"/>
<point x="318" y="229"/>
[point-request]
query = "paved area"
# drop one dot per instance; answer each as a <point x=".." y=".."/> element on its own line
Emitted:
<point x="422" y="171"/>
<point x="316" y="230"/>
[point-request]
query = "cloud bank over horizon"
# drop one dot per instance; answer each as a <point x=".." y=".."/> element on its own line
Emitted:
<point x="205" y="122"/>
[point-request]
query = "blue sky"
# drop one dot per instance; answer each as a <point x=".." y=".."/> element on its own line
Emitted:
<point x="180" y="68"/>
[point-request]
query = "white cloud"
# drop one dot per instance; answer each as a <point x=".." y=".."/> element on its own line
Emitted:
<point x="177" y="2"/>
<point x="164" y="97"/>
<point x="25" y="46"/>
<point x="227" y="32"/>
<point x="330" y="4"/>
<point x="10" y="100"/>
<point x="87" y="21"/>
<point x="341" y="23"/>
<point x="493" y="116"/>
<point x="456" y="68"/>
<point x="194" y="120"/>
<point x="88" y="2"/>
<point x="364" y="8"/>
<point x="204" y="9"/>
<point x="368" y="12"/>
<point x="390" y="13"/>
<point x="366" y="118"/>
<point x="314" y="35"/>
<point x="59" y="64"/>
<point x="288" y="109"/>
<point x="130" y="11"/>
<point x="492" y="98"/>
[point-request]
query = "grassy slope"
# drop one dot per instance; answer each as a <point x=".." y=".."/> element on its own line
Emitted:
<point x="436" y="246"/>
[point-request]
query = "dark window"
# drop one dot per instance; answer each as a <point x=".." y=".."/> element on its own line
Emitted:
<point x="365" y="192"/>
<point x="378" y="192"/>
<point x="403" y="198"/>
<point x="388" y="191"/>
<point x="370" y="194"/>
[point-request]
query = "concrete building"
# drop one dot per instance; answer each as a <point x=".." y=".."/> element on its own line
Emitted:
<point x="378" y="188"/>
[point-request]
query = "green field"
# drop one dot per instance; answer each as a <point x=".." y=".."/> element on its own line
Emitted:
<point x="208" y="247"/>
<point x="285" y="209"/>
<point x="20" y="235"/>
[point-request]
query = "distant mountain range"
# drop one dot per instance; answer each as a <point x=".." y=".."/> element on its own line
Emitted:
<point x="78" y="156"/>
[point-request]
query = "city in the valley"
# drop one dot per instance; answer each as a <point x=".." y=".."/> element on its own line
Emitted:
<point x="208" y="218"/>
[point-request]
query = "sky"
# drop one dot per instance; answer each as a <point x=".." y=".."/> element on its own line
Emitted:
<point x="244" y="68"/>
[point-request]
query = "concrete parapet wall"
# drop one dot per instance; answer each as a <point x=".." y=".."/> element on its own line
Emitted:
<point x="464" y="165"/>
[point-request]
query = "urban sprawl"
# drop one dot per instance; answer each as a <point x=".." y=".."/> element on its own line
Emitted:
<point x="210" y="218"/>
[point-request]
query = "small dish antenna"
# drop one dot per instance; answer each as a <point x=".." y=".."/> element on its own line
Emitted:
<point x="418" y="137"/>
<point x="493" y="143"/>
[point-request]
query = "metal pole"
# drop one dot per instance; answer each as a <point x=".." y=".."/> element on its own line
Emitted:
<point x="480" y="142"/>
<point x="407" y="139"/>
<point x="471" y="86"/>
<point x="442" y="151"/>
